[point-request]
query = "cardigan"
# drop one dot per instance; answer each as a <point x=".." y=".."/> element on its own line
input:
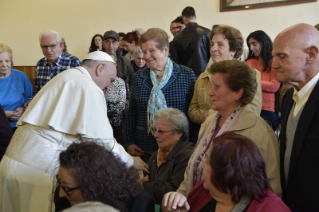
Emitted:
<point x="269" y="84"/>
<point x="178" y="93"/>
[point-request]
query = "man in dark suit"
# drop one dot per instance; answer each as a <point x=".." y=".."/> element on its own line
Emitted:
<point x="296" y="59"/>
<point x="191" y="47"/>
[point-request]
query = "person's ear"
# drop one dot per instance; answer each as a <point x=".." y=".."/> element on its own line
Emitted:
<point x="99" y="69"/>
<point x="239" y="94"/>
<point x="166" y="51"/>
<point x="312" y="54"/>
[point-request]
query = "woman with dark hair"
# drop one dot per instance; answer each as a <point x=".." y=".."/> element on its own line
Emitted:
<point x="89" y="172"/>
<point x="96" y="43"/>
<point x="260" y="47"/>
<point x="130" y="43"/>
<point x="233" y="88"/>
<point x="234" y="179"/>
<point x="227" y="44"/>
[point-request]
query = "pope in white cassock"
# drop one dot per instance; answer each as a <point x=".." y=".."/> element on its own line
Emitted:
<point x="70" y="107"/>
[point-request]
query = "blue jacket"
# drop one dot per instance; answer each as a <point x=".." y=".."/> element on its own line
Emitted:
<point x="178" y="93"/>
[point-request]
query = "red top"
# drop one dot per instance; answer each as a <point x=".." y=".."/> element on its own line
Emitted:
<point x="199" y="197"/>
<point x="269" y="84"/>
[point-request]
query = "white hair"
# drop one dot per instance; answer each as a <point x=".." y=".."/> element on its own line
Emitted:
<point x="50" y="32"/>
<point x="137" y="51"/>
<point x="91" y="207"/>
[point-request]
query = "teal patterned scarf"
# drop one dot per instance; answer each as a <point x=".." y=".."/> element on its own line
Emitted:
<point x="157" y="100"/>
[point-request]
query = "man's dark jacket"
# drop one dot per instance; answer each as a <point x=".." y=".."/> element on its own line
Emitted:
<point x="301" y="191"/>
<point x="124" y="71"/>
<point x="190" y="47"/>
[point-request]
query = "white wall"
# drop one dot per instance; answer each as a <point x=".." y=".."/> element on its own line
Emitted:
<point x="21" y="21"/>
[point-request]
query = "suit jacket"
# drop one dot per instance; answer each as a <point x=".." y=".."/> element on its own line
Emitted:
<point x="169" y="175"/>
<point x="302" y="190"/>
<point x="178" y="93"/>
<point x="191" y="47"/>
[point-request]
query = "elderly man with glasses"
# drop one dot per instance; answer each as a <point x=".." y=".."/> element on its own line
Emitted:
<point x="55" y="60"/>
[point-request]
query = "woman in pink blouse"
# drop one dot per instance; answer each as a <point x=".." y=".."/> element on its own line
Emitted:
<point x="260" y="47"/>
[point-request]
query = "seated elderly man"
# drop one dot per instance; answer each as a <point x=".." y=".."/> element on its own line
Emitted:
<point x="70" y="107"/>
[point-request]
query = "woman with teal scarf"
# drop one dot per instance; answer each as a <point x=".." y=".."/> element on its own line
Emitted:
<point x="163" y="84"/>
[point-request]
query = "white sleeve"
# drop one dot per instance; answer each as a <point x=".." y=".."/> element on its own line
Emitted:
<point x="115" y="147"/>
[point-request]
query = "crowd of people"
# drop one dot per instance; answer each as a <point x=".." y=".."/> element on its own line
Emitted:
<point x="196" y="116"/>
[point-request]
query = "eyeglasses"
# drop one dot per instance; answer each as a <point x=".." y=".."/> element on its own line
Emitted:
<point x="63" y="188"/>
<point x="161" y="132"/>
<point x="52" y="47"/>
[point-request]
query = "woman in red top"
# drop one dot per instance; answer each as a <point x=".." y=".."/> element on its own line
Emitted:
<point x="234" y="180"/>
<point x="260" y="47"/>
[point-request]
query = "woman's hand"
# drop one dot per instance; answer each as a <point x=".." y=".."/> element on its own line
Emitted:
<point x="16" y="114"/>
<point x="174" y="201"/>
<point x="8" y="113"/>
<point x="135" y="150"/>
<point x="26" y="104"/>
<point x="139" y="164"/>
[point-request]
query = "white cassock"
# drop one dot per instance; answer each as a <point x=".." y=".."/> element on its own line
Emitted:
<point x="70" y="107"/>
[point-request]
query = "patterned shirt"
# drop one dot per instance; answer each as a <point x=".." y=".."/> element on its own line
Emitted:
<point x="115" y="98"/>
<point x="45" y="72"/>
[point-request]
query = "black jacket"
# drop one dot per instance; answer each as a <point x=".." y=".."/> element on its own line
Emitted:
<point x="5" y="132"/>
<point x="169" y="175"/>
<point x="302" y="190"/>
<point x="191" y="48"/>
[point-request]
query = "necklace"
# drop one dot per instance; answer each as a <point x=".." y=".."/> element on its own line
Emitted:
<point x="158" y="77"/>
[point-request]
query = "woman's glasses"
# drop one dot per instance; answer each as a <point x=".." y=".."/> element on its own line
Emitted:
<point x="63" y="188"/>
<point x="161" y="132"/>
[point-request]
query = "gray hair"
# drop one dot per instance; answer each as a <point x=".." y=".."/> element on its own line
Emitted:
<point x="137" y="51"/>
<point x="91" y="207"/>
<point x="50" y="32"/>
<point x="177" y="118"/>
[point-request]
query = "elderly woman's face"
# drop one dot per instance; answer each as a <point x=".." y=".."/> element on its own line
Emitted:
<point x="5" y="64"/>
<point x="68" y="182"/>
<point x="139" y="60"/>
<point x="166" y="137"/>
<point x="222" y="97"/>
<point x="155" y="58"/>
<point x="219" y="49"/>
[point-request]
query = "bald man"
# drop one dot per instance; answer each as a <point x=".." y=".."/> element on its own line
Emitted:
<point x="70" y="107"/>
<point x="296" y="59"/>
